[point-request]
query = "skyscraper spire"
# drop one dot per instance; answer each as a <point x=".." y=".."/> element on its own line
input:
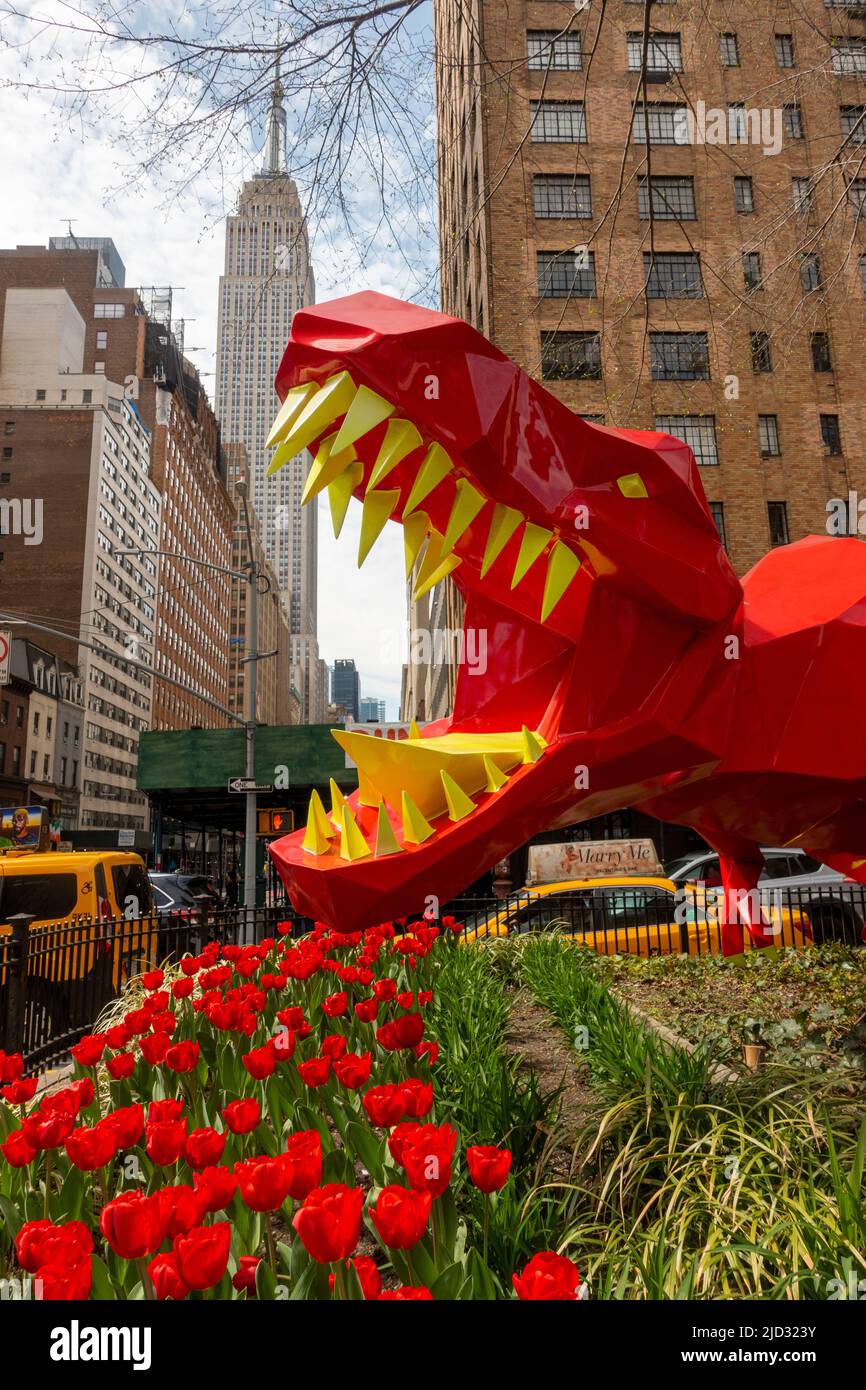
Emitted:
<point x="275" y="145"/>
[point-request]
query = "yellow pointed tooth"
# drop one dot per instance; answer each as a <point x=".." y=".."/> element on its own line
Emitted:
<point x="442" y="572"/>
<point x="414" y="531"/>
<point x="413" y="764"/>
<point x="436" y="466"/>
<point x="285" y="451"/>
<point x="368" y="794"/>
<point x="378" y="506"/>
<point x="367" y="410"/>
<point x="338" y="801"/>
<point x="632" y="485"/>
<point x="532" y="746"/>
<point x="327" y="465"/>
<point x="414" y="731"/>
<point x="291" y="407"/>
<point x="386" y="840"/>
<point x="319" y="829"/>
<point x="503" y="524"/>
<point x="467" y="504"/>
<point x="340" y="494"/>
<point x="562" y="566"/>
<point x="458" y="803"/>
<point x="416" y="827"/>
<point x="495" y="777"/>
<point x="401" y="438"/>
<point x="325" y="406"/>
<point x="352" y="842"/>
<point x="433" y="567"/>
<point x="534" y="540"/>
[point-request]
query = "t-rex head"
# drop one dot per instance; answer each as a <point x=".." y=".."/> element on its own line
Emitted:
<point x="593" y="579"/>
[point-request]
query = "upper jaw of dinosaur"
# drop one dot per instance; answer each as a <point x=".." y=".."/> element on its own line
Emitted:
<point x="425" y="423"/>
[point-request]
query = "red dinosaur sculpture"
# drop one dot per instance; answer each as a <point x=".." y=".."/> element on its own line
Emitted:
<point x="626" y="663"/>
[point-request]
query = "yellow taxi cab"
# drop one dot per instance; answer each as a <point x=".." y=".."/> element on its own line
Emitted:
<point x="628" y="915"/>
<point x="93" y="924"/>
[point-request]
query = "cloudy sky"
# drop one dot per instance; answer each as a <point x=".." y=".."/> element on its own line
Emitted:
<point x="59" y="167"/>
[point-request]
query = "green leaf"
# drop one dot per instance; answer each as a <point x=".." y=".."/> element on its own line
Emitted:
<point x="101" y="1288"/>
<point x="12" y="1219"/>
<point x="266" y="1283"/>
<point x="450" y="1281"/>
<point x="337" y="1166"/>
<point x="483" y="1285"/>
<point x="368" y="1149"/>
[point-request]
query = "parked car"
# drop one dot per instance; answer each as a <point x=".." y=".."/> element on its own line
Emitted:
<point x="183" y="893"/>
<point x="628" y="916"/>
<point x="836" y="905"/>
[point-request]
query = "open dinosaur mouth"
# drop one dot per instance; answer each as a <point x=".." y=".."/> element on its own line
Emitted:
<point x="500" y="486"/>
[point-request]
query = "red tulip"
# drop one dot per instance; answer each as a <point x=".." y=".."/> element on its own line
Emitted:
<point x="292" y="1017"/>
<point x="153" y="979"/>
<point x="260" y="1062"/>
<point x="17" y="1151"/>
<point x="245" y="1279"/>
<point x="182" y="1057"/>
<point x="90" y="1149"/>
<point x="264" y="1182"/>
<point x="385" y="989"/>
<point x="218" y="1185"/>
<point x="123" y="1064"/>
<point x="166" y="1281"/>
<point x="181" y="1208"/>
<point x="401" y="1215"/>
<point x="11" y="1066"/>
<point x="384" y="1105"/>
<point x="366" y="1010"/>
<point x="335" y="1005"/>
<point x="164" y="1140"/>
<point x="39" y="1243"/>
<point x="47" y="1129"/>
<point x="488" y="1167"/>
<point x="182" y="989"/>
<point x="20" y="1092"/>
<point x="154" y="1047"/>
<point x="406" y="1293"/>
<point x="204" y="1147"/>
<point x="128" y="1125"/>
<point x="368" y="1276"/>
<point x="548" y="1276"/>
<point x="159" y="1110"/>
<point x="427" y="1158"/>
<point x="315" y="1072"/>
<point x="333" y="1045"/>
<point x="417" y="1097"/>
<point x="132" y="1225"/>
<point x="353" y="1069"/>
<point x="403" y="1032"/>
<point x="242" y="1116"/>
<point x="430" y="1050"/>
<point x="329" y="1222"/>
<point x="67" y="1283"/>
<point x="284" y="1045"/>
<point x="89" y="1051"/>
<point x="202" y="1256"/>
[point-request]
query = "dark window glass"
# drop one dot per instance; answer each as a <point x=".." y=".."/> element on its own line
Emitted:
<point x="558" y="122"/>
<point x="820" y="343"/>
<point x="679" y="357"/>
<point x="548" y="48"/>
<point x="48" y="897"/>
<point x="810" y="272"/>
<point x="830" y="434"/>
<point x="672" y="275"/>
<point x="562" y="195"/>
<point x="729" y="51"/>
<point x="667" y="122"/>
<point x="752" y="269"/>
<point x="673" y="199"/>
<point x="768" y="434"/>
<point x="564" y="274"/>
<point x="743" y="197"/>
<point x="130" y="880"/>
<point x="762" y="357"/>
<point x="570" y="356"/>
<point x="785" y="50"/>
<point x="717" y="512"/>
<point x="777" y="515"/>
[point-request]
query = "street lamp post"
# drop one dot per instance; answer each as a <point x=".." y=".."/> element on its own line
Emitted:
<point x="251" y="688"/>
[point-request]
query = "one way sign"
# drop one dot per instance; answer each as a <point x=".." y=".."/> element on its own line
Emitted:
<point x="249" y="784"/>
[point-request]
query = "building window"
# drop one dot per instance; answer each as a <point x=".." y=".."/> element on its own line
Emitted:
<point x="99" y="368"/>
<point x="854" y="123"/>
<point x="762" y="358"/>
<point x="7" y="451"/>
<point x="4" y="712"/>
<point x="101" y="341"/>
<point x="752" y="269"/>
<point x="792" y="118"/>
<point x="667" y="122"/>
<point x="45" y="767"/>
<point x="36" y="721"/>
<point x="863" y="274"/>
<point x="562" y="274"/>
<point x="768" y="434"/>
<point x="549" y="48"/>
<point x="698" y="431"/>
<point x="672" y="275"/>
<point x="562" y="195"/>
<point x="777" y="515"/>
<point x="109" y="311"/>
<point x="785" y="50"/>
<point x="16" y="759"/>
<point x="558" y="121"/>
<point x="664" y="53"/>
<point x="801" y="192"/>
<point x="19" y="717"/>
<point x="810" y="272"/>
<point x="743" y="197"/>
<point x="592" y="419"/>
<point x="820" y="343"/>
<point x="673" y="199"/>
<point x="729" y="51"/>
<point x="86" y="396"/>
<point x="830" y="434"/>
<point x="8" y="426"/>
<point x="40" y="395"/>
<point x="717" y="512"/>
<point x="63" y="772"/>
<point x="857" y="197"/>
<point x="849" y="55"/>
<point x="679" y="357"/>
<point x="33" y="764"/>
<point x="570" y="356"/>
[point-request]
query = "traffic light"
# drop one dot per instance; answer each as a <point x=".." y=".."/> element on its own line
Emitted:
<point x="271" y="823"/>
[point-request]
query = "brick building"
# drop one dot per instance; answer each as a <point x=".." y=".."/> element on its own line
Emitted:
<point x="709" y="280"/>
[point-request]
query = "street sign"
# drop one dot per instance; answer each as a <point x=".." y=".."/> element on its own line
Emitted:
<point x="5" y="653"/>
<point x="249" y="784"/>
<point x="126" y="839"/>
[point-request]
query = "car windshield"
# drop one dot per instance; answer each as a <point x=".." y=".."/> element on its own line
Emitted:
<point x="676" y="866"/>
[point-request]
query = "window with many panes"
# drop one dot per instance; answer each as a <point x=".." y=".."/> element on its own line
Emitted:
<point x="666" y="121"/>
<point x="752" y="269"/>
<point x="820" y="346"/>
<point x="785" y="50"/>
<point x="743" y="197"/>
<point x="853" y="120"/>
<point x="857" y="197"/>
<point x="679" y="357"/>
<point x="777" y="516"/>
<point x="563" y="274"/>
<point x="801" y="192"/>
<point x="830" y="434"/>
<point x="810" y="272"/>
<point x="768" y="436"/>
<point x="109" y="311"/>
<point x="570" y="356"/>
<point x="672" y="275"/>
<point x="673" y="199"/>
<point x="562" y="195"/>
<point x="717" y="512"/>
<point x="698" y="431"/>
<point x="664" y="53"/>
<point x="558" y="121"/>
<point x="550" y="48"/>
<point x="849" y="55"/>
<point x="729" y="51"/>
<point x="762" y="357"/>
<point x="792" y="119"/>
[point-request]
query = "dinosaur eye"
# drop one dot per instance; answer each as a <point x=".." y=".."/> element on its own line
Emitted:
<point x="632" y="485"/>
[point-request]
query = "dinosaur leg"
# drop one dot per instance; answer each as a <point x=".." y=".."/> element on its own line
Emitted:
<point x="741" y="864"/>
